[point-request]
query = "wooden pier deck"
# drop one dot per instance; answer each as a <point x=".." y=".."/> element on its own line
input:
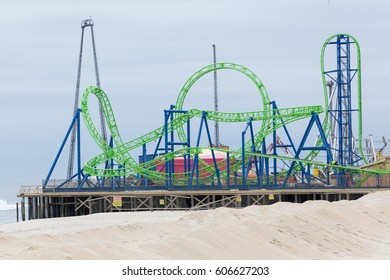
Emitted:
<point x="74" y="203"/>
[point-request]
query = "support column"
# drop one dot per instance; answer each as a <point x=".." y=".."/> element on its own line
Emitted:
<point x="17" y="212"/>
<point x="30" y="208"/>
<point x="41" y="207"/>
<point x="23" y="209"/>
<point x="90" y="207"/>
<point x="47" y="207"/>
<point x="51" y="208"/>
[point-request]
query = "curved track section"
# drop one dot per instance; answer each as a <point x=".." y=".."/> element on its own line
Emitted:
<point x="121" y="153"/>
<point x="227" y="66"/>
<point x="270" y="121"/>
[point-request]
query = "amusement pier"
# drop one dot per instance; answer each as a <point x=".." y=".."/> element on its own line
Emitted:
<point x="182" y="165"/>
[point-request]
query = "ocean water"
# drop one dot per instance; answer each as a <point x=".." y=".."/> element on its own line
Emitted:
<point x="7" y="212"/>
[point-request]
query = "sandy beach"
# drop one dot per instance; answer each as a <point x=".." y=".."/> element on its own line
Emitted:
<point x="357" y="229"/>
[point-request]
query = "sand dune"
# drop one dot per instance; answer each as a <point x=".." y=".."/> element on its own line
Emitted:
<point x="313" y="230"/>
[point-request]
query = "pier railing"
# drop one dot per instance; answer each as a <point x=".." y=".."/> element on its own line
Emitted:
<point x="64" y="183"/>
<point x="30" y="189"/>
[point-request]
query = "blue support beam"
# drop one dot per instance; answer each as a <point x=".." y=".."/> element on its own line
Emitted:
<point x="243" y="161"/>
<point x="75" y="120"/>
<point x="217" y="173"/>
<point x="306" y="173"/>
<point x="144" y="159"/>
<point x="169" y="146"/>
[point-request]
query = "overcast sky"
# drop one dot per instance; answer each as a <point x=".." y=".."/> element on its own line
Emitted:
<point x="147" y="50"/>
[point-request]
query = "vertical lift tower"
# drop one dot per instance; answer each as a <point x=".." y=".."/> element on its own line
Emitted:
<point x="338" y="82"/>
<point x="84" y="24"/>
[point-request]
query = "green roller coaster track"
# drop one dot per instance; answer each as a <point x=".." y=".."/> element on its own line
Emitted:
<point x="270" y="120"/>
<point x="121" y="153"/>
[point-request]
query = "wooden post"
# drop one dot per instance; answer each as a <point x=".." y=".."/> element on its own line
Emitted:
<point x="22" y="206"/>
<point x="47" y="207"/>
<point x="34" y="208"/>
<point x="62" y="207"/>
<point x="100" y="204"/>
<point x="41" y="208"/>
<point x="151" y="202"/>
<point x="30" y="208"/>
<point x="52" y="211"/>
<point x="17" y="212"/>
<point x="90" y="206"/>
<point x="104" y="205"/>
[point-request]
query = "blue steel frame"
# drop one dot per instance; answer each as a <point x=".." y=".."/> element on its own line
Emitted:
<point x="195" y="166"/>
<point x="344" y="76"/>
<point x="275" y="144"/>
<point x="260" y="163"/>
<point x="169" y="146"/>
<point x="170" y="143"/>
<point x="79" y="174"/>
<point x="246" y="165"/>
<point x="325" y="147"/>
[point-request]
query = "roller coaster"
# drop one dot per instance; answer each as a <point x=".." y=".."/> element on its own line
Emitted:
<point x="253" y="166"/>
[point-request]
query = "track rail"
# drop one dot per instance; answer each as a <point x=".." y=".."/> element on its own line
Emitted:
<point x="270" y="121"/>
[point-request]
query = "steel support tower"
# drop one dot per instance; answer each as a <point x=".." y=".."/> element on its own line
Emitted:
<point x="340" y="107"/>
<point x="216" y="140"/>
<point x="84" y="24"/>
